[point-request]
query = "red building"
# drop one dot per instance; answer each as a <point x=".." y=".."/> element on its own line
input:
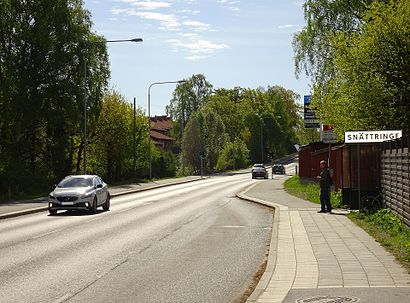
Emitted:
<point x="355" y="167"/>
<point x="160" y="132"/>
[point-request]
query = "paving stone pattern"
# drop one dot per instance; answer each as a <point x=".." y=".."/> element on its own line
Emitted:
<point x="321" y="251"/>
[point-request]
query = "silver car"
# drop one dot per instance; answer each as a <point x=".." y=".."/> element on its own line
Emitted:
<point x="259" y="171"/>
<point x="81" y="192"/>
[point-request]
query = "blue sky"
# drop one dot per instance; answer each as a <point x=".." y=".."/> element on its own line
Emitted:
<point x="232" y="42"/>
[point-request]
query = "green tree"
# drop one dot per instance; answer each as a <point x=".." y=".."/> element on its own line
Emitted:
<point x="371" y="89"/>
<point x="213" y="135"/>
<point x="227" y="103"/>
<point x="206" y="134"/>
<point x="187" y="98"/>
<point x="111" y="152"/>
<point x="234" y="155"/>
<point x="42" y="47"/>
<point x="193" y="144"/>
<point x="312" y="47"/>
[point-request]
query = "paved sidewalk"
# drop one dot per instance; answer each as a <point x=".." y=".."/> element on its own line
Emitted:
<point x="18" y="208"/>
<point x="320" y="257"/>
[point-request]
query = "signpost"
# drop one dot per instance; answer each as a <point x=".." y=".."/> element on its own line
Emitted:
<point x="309" y="114"/>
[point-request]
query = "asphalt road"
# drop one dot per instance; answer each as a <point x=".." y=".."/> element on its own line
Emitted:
<point x="186" y="243"/>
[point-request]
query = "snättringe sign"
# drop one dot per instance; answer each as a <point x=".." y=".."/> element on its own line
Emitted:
<point x="372" y="136"/>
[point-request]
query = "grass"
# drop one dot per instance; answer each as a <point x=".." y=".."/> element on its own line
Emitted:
<point x="309" y="191"/>
<point x="385" y="227"/>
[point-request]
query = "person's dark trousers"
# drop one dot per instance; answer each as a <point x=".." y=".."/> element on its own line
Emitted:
<point x="325" y="200"/>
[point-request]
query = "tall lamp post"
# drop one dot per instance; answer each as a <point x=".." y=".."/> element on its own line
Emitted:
<point x="86" y="95"/>
<point x="149" y="117"/>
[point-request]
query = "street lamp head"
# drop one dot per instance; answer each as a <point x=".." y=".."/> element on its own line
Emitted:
<point x="136" y="40"/>
<point x="182" y="81"/>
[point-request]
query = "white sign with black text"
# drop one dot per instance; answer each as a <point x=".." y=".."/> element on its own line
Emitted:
<point x="372" y="136"/>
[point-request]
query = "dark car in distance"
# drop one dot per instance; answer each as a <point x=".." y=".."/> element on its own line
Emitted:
<point x="278" y="169"/>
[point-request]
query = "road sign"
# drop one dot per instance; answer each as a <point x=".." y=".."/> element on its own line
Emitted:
<point x="328" y="135"/>
<point x="372" y="136"/>
<point x="309" y="114"/>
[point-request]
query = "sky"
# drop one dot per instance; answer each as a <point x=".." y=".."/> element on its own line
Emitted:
<point x="232" y="42"/>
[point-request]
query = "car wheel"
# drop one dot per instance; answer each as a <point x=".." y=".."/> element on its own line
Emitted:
<point x="94" y="206"/>
<point x="52" y="212"/>
<point x="106" y="205"/>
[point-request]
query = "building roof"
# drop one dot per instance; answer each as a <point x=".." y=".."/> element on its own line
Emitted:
<point x="158" y="136"/>
<point x="161" y="123"/>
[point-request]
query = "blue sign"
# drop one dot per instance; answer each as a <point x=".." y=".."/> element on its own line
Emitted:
<point x="309" y="114"/>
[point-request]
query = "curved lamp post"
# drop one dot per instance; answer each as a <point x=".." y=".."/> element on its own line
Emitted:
<point x="149" y="117"/>
<point x="86" y="95"/>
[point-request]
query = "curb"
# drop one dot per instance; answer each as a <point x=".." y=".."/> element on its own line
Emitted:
<point x="272" y="254"/>
<point x="133" y="191"/>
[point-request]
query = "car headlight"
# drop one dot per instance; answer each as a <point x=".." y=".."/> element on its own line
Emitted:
<point x="87" y="195"/>
<point x="50" y="196"/>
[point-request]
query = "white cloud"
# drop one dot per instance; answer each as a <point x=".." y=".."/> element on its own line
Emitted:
<point x="122" y="11"/>
<point x="197" y="46"/>
<point x="197" y="25"/>
<point x="287" y="26"/>
<point x="189" y="11"/>
<point x="169" y="22"/>
<point x="148" y="5"/>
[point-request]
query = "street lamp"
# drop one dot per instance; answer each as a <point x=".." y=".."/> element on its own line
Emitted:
<point x="149" y="116"/>
<point x="85" y="91"/>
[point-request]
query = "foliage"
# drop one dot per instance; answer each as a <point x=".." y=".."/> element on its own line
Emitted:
<point x="357" y="54"/>
<point x="388" y="221"/>
<point x="234" y="155"/>
<point x="204" y="133"/>
<point x="264" y="119"/>
<point x="164" y="163"/>
<point x="309" y="191"/>
<point x="188" y="97"/>
<point x="254" y="115"/>
<point x="193" y="144"/>
<point x="111" y="152"/>
<point x="388" y="230"/>
<point x="42" y="89"/>
<point x="313" y="51"/>
<point x="371" y="89"/>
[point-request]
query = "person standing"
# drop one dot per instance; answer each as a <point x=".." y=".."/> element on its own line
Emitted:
<point x="325" y="181"/>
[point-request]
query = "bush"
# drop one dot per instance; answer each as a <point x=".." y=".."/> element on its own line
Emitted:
<point x="234" y="155"/>
<point x="164" y="164"/>
<point x="388" y="221"/>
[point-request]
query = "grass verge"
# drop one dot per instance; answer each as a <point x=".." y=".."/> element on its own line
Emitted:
<point x="309" y="191"/>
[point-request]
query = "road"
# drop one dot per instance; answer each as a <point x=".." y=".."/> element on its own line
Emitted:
<point x="186" y="243"/>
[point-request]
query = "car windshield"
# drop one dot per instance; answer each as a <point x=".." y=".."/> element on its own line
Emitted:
<point x="76" y="182"/>
<point x="258" y="165"/>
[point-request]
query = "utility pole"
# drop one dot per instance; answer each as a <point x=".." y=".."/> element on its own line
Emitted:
<point x="134" y="143"/>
